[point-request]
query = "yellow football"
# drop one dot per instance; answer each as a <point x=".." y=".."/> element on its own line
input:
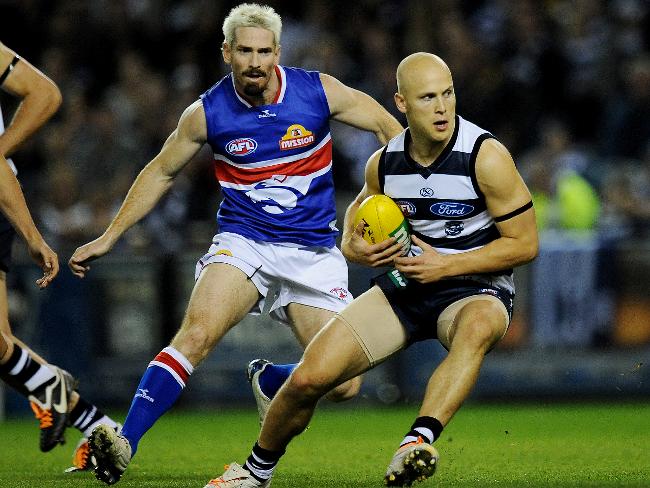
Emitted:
<point x="383" y="219"/>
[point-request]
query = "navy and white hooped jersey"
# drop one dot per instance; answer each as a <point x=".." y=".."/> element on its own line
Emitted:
<point x="443" y="201"/>
<point x="274" y="162"/>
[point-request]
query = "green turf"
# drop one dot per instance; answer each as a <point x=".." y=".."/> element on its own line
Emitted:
<point x="485" y="446"/>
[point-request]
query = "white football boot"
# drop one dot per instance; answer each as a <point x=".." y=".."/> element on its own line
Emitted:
<point x="415" y="461"/>
<point x="110" y="453"/>
<point x="236" y="477"/>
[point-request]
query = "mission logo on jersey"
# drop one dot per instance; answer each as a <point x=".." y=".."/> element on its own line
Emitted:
<point x="296" y="136"/>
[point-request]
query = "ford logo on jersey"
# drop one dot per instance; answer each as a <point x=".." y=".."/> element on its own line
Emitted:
<point x="241" y="146"/>
<point x="451" y="209"/>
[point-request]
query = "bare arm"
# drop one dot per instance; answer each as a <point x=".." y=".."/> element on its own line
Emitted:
<point x="150" y="185"/>
<point x="353" y="245"/>
<point x="359" y="110"/>
<point x="40" y="99"/>
<point x="13" y="205"/>
<point x="505" y="192"/>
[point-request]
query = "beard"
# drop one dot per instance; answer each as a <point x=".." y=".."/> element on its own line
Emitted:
<point x="255" y="89"/>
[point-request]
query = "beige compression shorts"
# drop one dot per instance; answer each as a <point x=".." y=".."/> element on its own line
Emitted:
<point x="380" y="333"/>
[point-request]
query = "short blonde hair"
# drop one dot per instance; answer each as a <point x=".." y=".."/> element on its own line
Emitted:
<point x="252" y="15"/>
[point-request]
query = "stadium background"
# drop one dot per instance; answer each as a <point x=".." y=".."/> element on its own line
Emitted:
<point x="564" y="84"/>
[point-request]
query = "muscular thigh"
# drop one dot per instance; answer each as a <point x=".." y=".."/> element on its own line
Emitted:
<point x="374" y="324"/>
<point x="335" y="356"/>
<point x="306" y="321"/>
<point x="486" y="312"/>
<point x="221" y="298"/>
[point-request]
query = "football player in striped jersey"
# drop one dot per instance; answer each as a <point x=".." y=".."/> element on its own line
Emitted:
<point x="472" y="222"/>
<point x="51" y="390"/>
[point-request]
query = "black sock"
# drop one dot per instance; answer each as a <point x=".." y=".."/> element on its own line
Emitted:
<point x="86" y="416"/>
<point x="261" y="463"/>
<point x="426" y="428"/>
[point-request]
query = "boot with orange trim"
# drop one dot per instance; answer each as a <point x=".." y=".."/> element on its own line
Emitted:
<point x="415" y="461"/>
<point x="81" y="460"/>
<point x="51" y="407"/>
<point x="235" y="476"/>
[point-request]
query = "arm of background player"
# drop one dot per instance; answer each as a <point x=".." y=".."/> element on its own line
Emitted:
<point x="353" y="245"/>
<point x="505" y="192"/>
<point x="13" y="205"/>
<point x="359" y="110"/>
<point x="40" y="98"/>
<point x="150" y="185"/>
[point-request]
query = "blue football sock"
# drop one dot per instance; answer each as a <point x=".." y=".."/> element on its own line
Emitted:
<point x="273" y="376"/>
<point x="159" y="388"/>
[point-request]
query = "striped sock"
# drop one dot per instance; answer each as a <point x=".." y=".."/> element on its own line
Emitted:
<point x="86" y="416"/>
<point x="261" y="463"/>
<point x="159" y="388"/>
<point x="26" y="374"/>
<point x="427" y="428"/>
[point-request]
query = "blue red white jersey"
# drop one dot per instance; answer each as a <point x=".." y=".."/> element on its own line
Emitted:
<point x="274" y="162"/>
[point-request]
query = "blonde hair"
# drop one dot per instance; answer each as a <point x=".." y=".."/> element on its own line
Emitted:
<point x="252" y="15"/>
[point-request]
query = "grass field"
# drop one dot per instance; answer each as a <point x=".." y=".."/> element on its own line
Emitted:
<point x="485" y="446"/>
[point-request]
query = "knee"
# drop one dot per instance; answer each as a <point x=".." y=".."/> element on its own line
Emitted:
<point x="479" y="331"/>
<point x="346" y="391"/>
<point x="4" y="348"/>
<point x="307" y="383"/>
<point x="194" y="342"/>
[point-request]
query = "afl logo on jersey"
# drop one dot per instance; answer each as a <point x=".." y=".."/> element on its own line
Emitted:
<point x="241" y="146"/>
<point x="451" y="209"/>
<point x="408" y="209"/>
<point x="295" y="137"/>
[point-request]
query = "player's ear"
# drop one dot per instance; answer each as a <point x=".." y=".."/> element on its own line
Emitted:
<point x="226" y="52"/>
<point x="400" y="101"/>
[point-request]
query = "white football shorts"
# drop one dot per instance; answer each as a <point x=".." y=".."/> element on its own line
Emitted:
<point x="284" y="273"/>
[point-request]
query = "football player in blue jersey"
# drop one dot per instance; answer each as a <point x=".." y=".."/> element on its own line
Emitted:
<point x="268" y="127"/>
<point x="50" y="390"/>
<point x="457" y="287"/>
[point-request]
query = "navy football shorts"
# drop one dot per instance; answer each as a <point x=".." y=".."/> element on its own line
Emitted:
<point x="419" y="305"/>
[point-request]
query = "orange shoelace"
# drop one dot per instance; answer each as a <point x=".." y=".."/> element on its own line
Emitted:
<point x="419" y="440"/>
<point x="81" y="456"/>
<point x="219" y="480"/>
<point x="45" y="416"/>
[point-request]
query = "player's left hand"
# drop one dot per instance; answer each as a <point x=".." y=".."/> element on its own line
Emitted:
<point x="425" y="268"/>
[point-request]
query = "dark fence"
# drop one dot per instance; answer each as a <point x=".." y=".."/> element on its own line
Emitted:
<point x="581" y="330"/>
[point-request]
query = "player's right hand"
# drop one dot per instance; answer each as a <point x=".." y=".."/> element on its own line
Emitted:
<point x="46" y="258"/>
<point x="356" y="249"/>
<point x="78" y="263"/>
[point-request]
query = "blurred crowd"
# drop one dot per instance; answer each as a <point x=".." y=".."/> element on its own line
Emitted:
<point x="565" y="84"/>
